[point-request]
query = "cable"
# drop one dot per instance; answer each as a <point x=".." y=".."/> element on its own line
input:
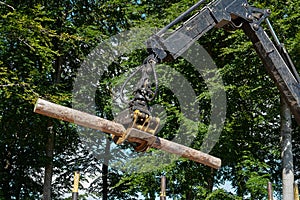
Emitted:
<point x="125" y="83"/>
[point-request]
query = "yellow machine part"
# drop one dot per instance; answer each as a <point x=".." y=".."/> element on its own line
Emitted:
<point x="144" y="122"/>
<point x="141" y="122"/>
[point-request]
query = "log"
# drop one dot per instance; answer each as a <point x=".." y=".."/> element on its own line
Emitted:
<point x="90" y="121"/>
<point x="77" y="117"/>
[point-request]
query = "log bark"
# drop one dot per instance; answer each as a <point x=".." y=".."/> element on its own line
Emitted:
<point x="90" y="121"/>
<point x="77" y="117"/>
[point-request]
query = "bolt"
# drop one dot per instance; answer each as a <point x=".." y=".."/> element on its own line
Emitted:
<point x="250" y="17"/>
<point x="255" y="27"/>
<point x="268" y="11"/>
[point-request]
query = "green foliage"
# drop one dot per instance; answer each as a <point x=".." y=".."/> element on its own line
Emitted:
<point x="42" y="45"/>
<point x="39" y="56"/>
<point x="222" y="194"/>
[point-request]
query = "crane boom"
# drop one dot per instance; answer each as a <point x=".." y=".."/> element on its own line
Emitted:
<point x="233" y="14"/>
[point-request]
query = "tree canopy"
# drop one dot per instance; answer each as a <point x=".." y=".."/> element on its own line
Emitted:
<point x="44" y="45"/>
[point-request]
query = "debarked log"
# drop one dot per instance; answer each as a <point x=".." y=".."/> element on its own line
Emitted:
<point x="91" y="121"/>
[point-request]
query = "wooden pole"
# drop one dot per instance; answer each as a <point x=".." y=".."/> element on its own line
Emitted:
<point x="75" y="187"/>
<point x="90" y="121"/>
<point x="296" y="192"/>
<point x="163" y="195"/>
<point x="270" y="191"/>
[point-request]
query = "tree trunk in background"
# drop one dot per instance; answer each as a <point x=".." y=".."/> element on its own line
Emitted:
<point x="51" y="137"/>
<point x="105" y="182"/>
<point x="50" y="142"/>
<point x="49" y="165"/>
<point x="105" y="186"/>
<point x="189" y="195"/>
<point x="210" y="181"/>
<point x="286" y="152"/>
<point x="152" y="196"/>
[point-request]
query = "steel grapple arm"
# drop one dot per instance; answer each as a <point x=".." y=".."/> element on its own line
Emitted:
<point x="233" y="14"/>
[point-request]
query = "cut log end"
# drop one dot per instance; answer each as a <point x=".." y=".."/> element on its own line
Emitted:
<point x="38" y="105"/>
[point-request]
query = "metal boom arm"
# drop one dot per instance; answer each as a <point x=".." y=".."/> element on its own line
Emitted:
<point x="233" y="14"/>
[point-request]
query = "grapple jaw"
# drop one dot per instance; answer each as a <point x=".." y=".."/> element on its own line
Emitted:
<point x="141" y="122"/>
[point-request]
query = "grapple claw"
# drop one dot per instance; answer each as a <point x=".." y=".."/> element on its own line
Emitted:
<point x="142" y="122"/>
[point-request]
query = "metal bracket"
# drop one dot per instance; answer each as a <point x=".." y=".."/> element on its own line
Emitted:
<point x="143" y="129"/>
<point x="257" y="16"/>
